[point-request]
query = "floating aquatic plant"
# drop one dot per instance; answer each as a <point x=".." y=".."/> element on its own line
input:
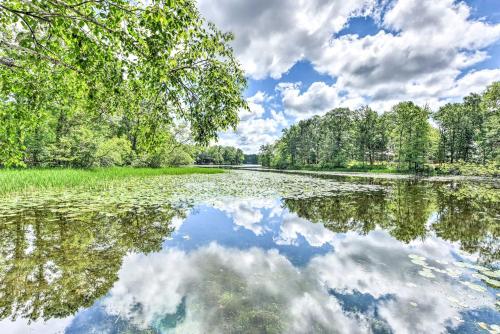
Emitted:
<point x="473" y="286"/>
<point x="426" y="273"/>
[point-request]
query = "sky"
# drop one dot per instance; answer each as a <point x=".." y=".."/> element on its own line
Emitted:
<point x="305" y="57"/>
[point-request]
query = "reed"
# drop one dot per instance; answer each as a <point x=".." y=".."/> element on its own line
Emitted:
<point x="25" y="180"/>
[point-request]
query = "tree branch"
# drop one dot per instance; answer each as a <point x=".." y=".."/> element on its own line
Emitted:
<point x="38" y="54"/>
<point x="8" y="62"/>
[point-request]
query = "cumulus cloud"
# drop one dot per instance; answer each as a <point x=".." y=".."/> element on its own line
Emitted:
<point x="427" y="46"/>
<point x="422" y="51"/>
<point x="316" y="100"/>
<point x="248" y="214"/>
<point x="253" y="280"/>
<point x="433" y="90"/>
<point x="259" y="126"/>
<point x="272" y="35"/>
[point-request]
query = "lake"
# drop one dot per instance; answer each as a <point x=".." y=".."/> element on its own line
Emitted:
<point x="253" y="252"/>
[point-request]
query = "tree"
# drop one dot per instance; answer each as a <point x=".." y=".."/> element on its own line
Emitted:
<point x="146" y="63"/>
<point x="54" y="263"/>
<point x="370" y="134"/>
<point x="449" y="118"/>
<point x="220" y="155"/>
<point x="338" y="128"/>
<point x="489" y="134"/>
<point x="410" y="134"/>
<point x="467" y="131"/>
<point x="265" y="155"/>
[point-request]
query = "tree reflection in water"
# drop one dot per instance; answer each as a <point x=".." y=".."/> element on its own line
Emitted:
<point x="58" y="259"/>
<point x="54" y="261"/>
<point x="467" y="213"/>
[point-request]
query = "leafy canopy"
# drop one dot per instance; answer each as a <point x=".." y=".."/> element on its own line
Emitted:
<point x="158" y="61"/>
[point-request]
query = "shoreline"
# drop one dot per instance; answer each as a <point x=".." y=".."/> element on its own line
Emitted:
<point x="388" y="176"/>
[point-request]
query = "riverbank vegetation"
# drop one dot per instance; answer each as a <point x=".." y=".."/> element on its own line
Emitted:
<point x="112" y="83"/>
<point x="24" y="180"/>
<point x="220" y="155"/>
<point x="460" y="138"/>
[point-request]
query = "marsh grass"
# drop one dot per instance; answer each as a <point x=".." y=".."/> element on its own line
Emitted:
<point x="25" y="180"/>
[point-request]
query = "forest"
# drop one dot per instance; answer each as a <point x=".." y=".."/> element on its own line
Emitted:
<point x="457" y="138"/>
<point x="220" y="155"/>
<point x="112" y="83"/>
<point x="118" y="83"/>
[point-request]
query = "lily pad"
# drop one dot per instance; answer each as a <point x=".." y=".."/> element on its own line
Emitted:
<point x="473" y="286"/>
<point x="426" y="273"/>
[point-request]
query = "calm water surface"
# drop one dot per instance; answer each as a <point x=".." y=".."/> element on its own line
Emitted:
<point x="253" y="252"/>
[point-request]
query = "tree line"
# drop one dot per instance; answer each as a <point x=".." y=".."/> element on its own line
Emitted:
<point x="220" y="155"/>
<point x="408" y="136"/>
<point x="99" y="83"/>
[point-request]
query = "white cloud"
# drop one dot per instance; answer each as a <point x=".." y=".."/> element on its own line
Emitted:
<point x="474" y="82"/>
<point x="433" y="90"/>
<point x="255" y="104"/>
<point x="256" y="128"/>
<point x="316" y="100"/>
<point x="293" y="226"/>
<point x="272" y="35"/>
<point x="424" y="37"/>
<point x="424" y="51"/>
<point x="253" y="279"/>
<point x="433" y="42"/>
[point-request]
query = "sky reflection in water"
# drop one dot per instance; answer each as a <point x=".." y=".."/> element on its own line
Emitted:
<point x="352" y="263"/>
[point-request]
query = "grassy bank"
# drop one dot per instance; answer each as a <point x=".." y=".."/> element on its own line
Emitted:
<point x="459" y="169"/>
<point x="376" y="170"/>
<point x="38" y="179"/>
<point x="353" y="168"/>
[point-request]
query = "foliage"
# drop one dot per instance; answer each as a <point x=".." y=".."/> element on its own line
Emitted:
<point x="73" y="259"/>
<point x="460" y="127"/>
<point x="469" y="169"/>
<point x="220" y="155"/>
<point x="250" y="159"/>
<point x="402" y="139"/>
<point x="114" y="152"/>
<point x="120" y="68"/>
<point x="410" y="134"/>
<point x="371" y="135"/>
<point x="489" y="134"/>
<point x="462" y="212"/>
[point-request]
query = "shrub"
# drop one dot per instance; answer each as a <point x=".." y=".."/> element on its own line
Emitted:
<point x="469" y="169"/>
<point x="115" y="151"/>
<point x="179" y="157"/>
<point x="77" y="149"/>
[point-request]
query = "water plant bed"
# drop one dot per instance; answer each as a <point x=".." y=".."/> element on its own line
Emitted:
<point x="27" y="180"/>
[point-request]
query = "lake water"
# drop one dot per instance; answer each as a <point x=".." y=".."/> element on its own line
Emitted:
<point x="253" y="252"/>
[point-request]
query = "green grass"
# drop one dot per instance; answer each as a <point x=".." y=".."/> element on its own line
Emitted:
<point x="25" y="180"/>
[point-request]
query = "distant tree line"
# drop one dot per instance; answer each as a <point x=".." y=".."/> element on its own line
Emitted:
<point x="251" y="159"/>
<point x="220" y="155"/>
<point x="408" y="136"/>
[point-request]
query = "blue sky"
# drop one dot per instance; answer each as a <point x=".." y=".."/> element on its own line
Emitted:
<point x="305" y="57"/>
